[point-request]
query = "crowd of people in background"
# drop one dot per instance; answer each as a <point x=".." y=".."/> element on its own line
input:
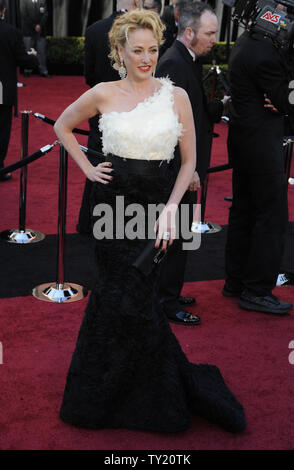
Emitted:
<point x="190" y="33"/>
<point x="259" y="78"/>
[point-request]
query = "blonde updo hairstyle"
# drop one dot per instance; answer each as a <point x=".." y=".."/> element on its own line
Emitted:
<point x="132" y="21"/>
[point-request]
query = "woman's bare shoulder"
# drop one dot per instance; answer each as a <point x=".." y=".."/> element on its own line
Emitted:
<point x="180" y="95"/>
<point x="106" y="89"/>
<point x="104" y="93"/>
<point x="181" y="100"/>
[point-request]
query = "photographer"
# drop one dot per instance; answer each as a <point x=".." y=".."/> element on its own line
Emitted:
<point x="259" y="213"/>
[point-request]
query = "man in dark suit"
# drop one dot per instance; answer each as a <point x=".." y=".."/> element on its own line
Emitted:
<point x="12" y="54"/>
<point x="34" y="19"/>
<point x="259" y="212"/>
<point x="98" y="69"/>
<point x="198" y="26"/>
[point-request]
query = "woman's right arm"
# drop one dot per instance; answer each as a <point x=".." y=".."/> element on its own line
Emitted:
<point x="82" y="109"/>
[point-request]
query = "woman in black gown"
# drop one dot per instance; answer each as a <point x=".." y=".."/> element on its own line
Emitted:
<point x="128" y="369"/>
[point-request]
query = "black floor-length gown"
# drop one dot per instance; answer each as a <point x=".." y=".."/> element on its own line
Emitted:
<point x="128" y="369"/>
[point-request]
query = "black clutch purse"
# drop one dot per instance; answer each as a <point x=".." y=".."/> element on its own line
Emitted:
<point x="149" y="258"/>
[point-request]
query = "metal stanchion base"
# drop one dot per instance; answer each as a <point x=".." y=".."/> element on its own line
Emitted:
<point x="205" y="227"/>
<point x="285" y="279"/>
<point x="58" y="293"/>
<point x="22" y="236"/>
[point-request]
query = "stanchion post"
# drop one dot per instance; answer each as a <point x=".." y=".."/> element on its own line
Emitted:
<point x="23" y="172"/>
<point x="285" y="279"/>
<point x="23" y="235"/>
<point x="203" y="197"/>
<point x="60" y="291"/>
<point x="200" y="226"/>
<point x="62" y="201"/>
<point x="288" y="150"/>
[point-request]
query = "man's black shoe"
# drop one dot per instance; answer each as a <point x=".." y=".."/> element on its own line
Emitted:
<point x="184" y="318"/>
<point x="186" y="300"/>
<point x="267" y="304"/>
<point x="45" y="75"/>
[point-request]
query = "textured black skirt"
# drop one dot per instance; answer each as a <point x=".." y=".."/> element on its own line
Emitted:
<point x="128" y="369"/>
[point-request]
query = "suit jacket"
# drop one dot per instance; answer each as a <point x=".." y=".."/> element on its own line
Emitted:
<point x="255" y="140"/>
<point x="177" y="63"/>
<point x="168" y="19"/>
<point x="98" y="67"/>
<point x="97" y="64"/>
<point x="34" y="13"/>
<point x="12" y="54"/>
<point x="168" y="38"/>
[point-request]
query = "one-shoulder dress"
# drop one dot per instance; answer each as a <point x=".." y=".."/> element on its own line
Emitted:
<point x="128" y="369"/>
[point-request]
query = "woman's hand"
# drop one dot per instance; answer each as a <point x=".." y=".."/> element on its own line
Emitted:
<point x="165" y="226"/>
<point x="100" y="173"/>
<point x="195" y="183"/>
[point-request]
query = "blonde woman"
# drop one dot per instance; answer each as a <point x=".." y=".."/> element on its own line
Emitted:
<point x="128" y="370"/>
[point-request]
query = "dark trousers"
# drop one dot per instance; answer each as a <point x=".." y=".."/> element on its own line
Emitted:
<point x="256" y="233"/>
<point x="38" y="43"/>
<point x="172" y="268"/>
<point x="5" y="129"/>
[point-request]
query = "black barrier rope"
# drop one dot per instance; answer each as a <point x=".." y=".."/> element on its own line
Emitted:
<point x="99" y="154"/>
<point x="215" y="169"/>
<point x="31" y="158"/>
<point x="94" y="153"/>
<point x="51" y="122"/>
<point x="212" y="169"/>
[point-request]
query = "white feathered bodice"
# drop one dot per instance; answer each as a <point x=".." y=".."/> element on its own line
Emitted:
<point x="150" y="131"/>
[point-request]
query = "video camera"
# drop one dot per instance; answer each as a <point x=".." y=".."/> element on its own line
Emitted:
<point x="273" y="19"/>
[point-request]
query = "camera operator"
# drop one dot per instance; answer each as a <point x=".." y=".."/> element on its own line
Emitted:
<point x="259" y="214"/>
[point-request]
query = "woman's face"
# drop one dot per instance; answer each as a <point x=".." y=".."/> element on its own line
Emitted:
<point x="140" y="53"/>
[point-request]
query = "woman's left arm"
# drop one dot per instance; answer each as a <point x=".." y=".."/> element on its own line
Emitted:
<point x="187" y="144"/>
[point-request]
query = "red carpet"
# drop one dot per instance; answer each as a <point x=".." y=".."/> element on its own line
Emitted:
<point x="251" y="349"/>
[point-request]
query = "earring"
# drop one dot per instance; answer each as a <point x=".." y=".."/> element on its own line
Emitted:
<point x="122" y="70"/>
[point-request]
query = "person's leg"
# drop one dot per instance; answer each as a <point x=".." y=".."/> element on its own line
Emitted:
<point x="41" y="54"/>
<point x="270" y="211"/>
<point x="29" y="43"/>
<point x="238" y="236"/>
<point x="172" y="270"/>
<point x="171" y="278"/>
